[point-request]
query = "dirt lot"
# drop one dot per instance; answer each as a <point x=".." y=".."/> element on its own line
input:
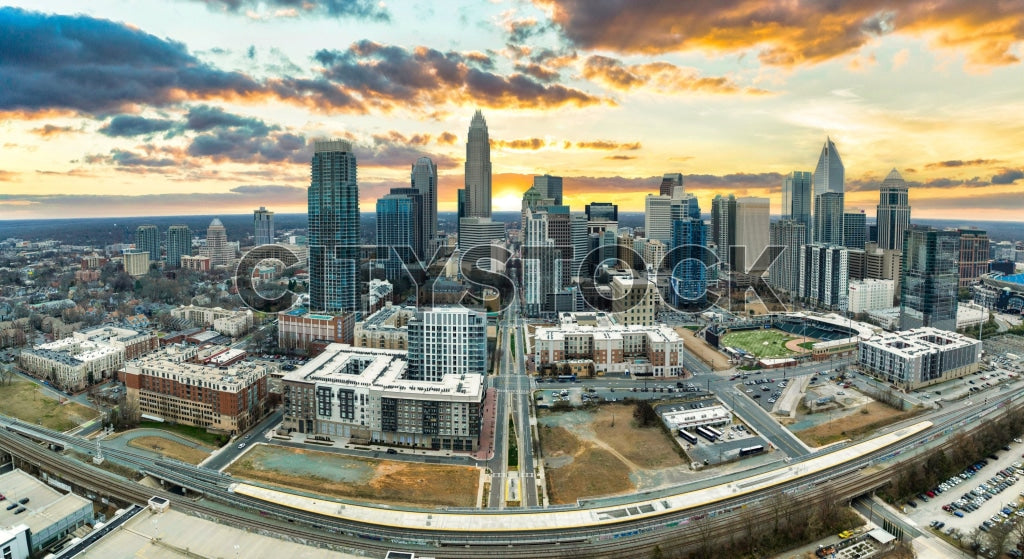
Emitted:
<point x="170" y="449"/>
<point x="606" y="440"/>
<point x="867" y="419"/>
<point x="26" y="401"/>
<point x="377" y="481"/>
<point x="701" y="349"/>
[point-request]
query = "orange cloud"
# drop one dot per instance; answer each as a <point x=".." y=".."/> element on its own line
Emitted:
<point x="661" y="76"/>
<point x="447" y="138"/>
<point x="606" y="145"/>
<point x="524" y="144"/>
<point x="51" y="130"/>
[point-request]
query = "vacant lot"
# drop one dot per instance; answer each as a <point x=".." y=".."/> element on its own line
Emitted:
<point x="24" y="400"/>
<point x="697" y="346"/>
<point x="761" y="342"/>
<point x="170" y="449"/>
<point x="374" y="481"/>
<point x="866" y="420"/>
<point x="604" y="440"/>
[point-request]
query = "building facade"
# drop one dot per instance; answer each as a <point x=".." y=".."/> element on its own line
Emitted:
<point x="824" y="276"/>
<point x="974" y="252"/>
<point x="855" y="230"/>
<point x="333" y="228"/>
<point x="227" y="322"/>
<point x="549" y="187"/>
<point x="179" y="243"/>
<point x="478" y="168"/>
<point x="388" y="328"/>
<point x="147" y="239"/>
<point x="785" y="271"/>
<point x="86" y="357"/>
<point x="447" y="341"/>
<point x="400" y="238"/>
<point x="871" y="294"/>
<point x="221" y="253"/>
<point x="893" y="209"/>
<point x="423" y="178"/>
<point x="930" y="281"/>
<point x="263" y="226"/>
<point x="195" y="263"/>
<point x="634" y="300"/>
<point x="298" y="328"/>
<point x="136" y="262"/>
<point x="796" y="199"/>
<point x="919" y="357"/>
<point x="670" y="182"/>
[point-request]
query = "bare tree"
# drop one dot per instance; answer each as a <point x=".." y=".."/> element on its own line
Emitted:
<point x="6" y="375"/>
<point x="998" y="537"/>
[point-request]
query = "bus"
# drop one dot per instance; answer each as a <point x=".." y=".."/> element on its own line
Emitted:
<point x="714" y="431"/>
<point x="567" y="378"/>
<point x="706" y="434"/>
<point x="688" y="436"/>
<point x="751" y="450"/>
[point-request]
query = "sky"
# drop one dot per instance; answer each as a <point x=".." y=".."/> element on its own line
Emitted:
<point x="134" y="107"/>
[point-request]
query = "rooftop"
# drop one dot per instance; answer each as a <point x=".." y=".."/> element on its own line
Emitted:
<point x="46" y="506"/>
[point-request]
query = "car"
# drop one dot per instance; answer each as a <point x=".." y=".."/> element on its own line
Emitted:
<point x="845" y="534"/>
<point x="912" y="504"/>
<point x="20" y="510"/>
<point x="12" y="506"/>
<point x="23" y="501"/>
<point x="392" y="451"/>
<point x="958" y="514"/>
<point x="241" y="446"/>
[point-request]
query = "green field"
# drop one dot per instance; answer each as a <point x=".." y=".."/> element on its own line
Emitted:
<point x="753" y="341"/>
<point x="26" y="401"/>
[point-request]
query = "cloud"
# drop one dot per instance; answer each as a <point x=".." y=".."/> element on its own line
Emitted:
<point x="126" y="158"/>
<point x="391" y="77"/>
<point x="523" y="144"/>
<point x="395" y="150"/>
<point x="787" y="33"/>
<point x="961" y="163"/>
<point x="543" y="74"/>
<point x="51" y="130"/>
<point x="1008" y="176"/>
<point x="607" y="145"/>
<point x="447" y="138"/>
<point x="203" y="118"/>
<point x="8" y="176"/>
<point x="369" y="10"/>
<point x="131" y="125"/>
<point x="621" y="157"/>
<point x="663" y="77"/>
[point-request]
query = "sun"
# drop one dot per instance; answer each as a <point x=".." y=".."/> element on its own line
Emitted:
<point x="507" y="202"/>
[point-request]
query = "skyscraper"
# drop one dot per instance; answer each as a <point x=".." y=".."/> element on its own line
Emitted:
<point x="179" y="243"/>
<point x="602" y="211"/>
<point x="333" y="231"/>
<point x="796" y="199"/>
<point x="263" y="223"/>
<point x="549" y="187"/>
<point x="147" y="239"/>
<point x="824" y="275"/>
<point x="669" y="183"/>
<point x="974" y="248"/>
<point x="829" y="188"/>
<point x="658" y="218"/>
<point x="893" y="212"/>
<point x="447" y="341"/>
<point x="785" y="271"/>
<point x="424" y="179"/>
<point x="723" y="226"/>
<point x="689" y="273"/>
<point x="400" y="236"/>
<point x="478" y="169"/>
<point x="855" y="229"/>
<point x="751" y="233"/>
<point x="217" y="247"/>
<point x="930" y="278"/>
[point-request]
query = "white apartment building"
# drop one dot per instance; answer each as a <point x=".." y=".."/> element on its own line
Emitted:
<point x="919" y="357"/>
<point x="227" y="322"/>
<point x="136" y="262"/>
<point x="870" y="294"/>
<point x="445" y="341"/>
<point x="87" y="356"/>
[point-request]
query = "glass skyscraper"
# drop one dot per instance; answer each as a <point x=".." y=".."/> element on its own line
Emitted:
<point x="893" y="212"/>
<point x="263" y="225"/>
<point x="796" y="199"/>
<point x="424" y="179"/>
<point x="549" y="187"/>
<point x="930" y="281"/>
<point x="855" y="230"/>
<point x="147" y="239"/>
<point x="400" y="236"/>
<point x="829" y="188"/>
<point x="333" y="232"/>
<point x="179" y="243"/>
<point x="689" y="262"/>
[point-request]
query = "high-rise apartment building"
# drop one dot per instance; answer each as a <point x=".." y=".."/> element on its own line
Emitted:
<point x="829" y="188"/>
<point x="930" y="279"/>
<point x="263" y="224"/>
<point x="549" y="187"/>
<point x="855" y="229"/>
<point x="785" y="271"/>
<point x="824" y="275"/>
<point x="751" y="233"/>
<point x="136" y="262"/>
<point x="541" y="265"/>
<point x="400" y="236"/>
<point x="893" y="212"/>
<point x="147" y="239"/>
<point x="796" y="199"/>
<point x="723" y="226"/>
<point x="478" y="169"/>
<point x="689" y="263"/>
<point x="179" y="243"/>
<point x="221" y="253"/>
<point x="333" y="230"/>
<point x="974" y="248"/>
<point x="424" y="179"/>
<point x="658" y="218"/>
<point x="671" y="183"/>
<point x="447" y="340"/>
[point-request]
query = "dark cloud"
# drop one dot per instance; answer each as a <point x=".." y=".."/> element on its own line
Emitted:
<point x="202" y="118"/>
<point x="1008" y="176"/>
<point x="239" y="145"/>
<point x="51" y="130"/>
<point x="370" y="10"/>
<point x="787" y="33"/>
<point x="521" y="30"/>
<point x="543" y="74"/>
<point x="392" y="77"/>
<point x="396" y="137"/>
<point x="126" y="158"/>
<point x="97" y="66"/>
<point x="131" y="125"/>
<point x="961" y="163"/>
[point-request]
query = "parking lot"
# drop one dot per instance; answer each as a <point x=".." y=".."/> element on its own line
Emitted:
<point x="763" y="389"/>
<point x="1002" y="491"/>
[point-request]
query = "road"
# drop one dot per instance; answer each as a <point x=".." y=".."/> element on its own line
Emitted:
<point x="230" y="451"/>
<point x="498" y="463"/>
<point x="522" y="394"/>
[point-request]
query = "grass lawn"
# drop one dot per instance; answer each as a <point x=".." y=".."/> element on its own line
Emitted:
<point x="808" y="345"/>
<point x="170" y="449"/>
<point x="761" y="342"/>
<point x="195" y="433"/>
<point x="24" y="400"/>
<point x="375" y="481"/>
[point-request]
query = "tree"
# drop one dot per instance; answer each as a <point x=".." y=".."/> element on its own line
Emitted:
<point x="6" y="375"/>
<point x="644" y="414"/>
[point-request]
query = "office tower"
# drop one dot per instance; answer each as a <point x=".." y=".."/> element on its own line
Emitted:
<point x="689" y="273"/>
<point x="541" y="266"/>
<point x="893" y="212"/>
<point x="424" y="179"/>
<point x="829" y="174"/>
<point x="670" y="184"/>
<point x="460" y="210"/>
<point x="549" y="187"/>
<point x="579" y="232"/>
<point x="179" y="243"/>
<point x="533" y="200"/>
<point x="400" y="236"/>
<point x="723" y="226"/>
<point x="658" y="218"/>
<point x="478" y="169"/>
<point x="828" y="218"/>
<point x="147" y="239"/>
<point x="217" y="248"/>
<point x="873" y="233"/>
<point x="796" y="199"/>
<point x="824" y="275"/>
<point x="785" y="271"/>
<point x="602" y="211"/>
<point x="333" y="230"/>
<point x="974" y="247"/>
<point x="855" y="229"/>
<point x="751" y="233"/>
<point x="476" y="234"/>
<point x="930" y="279"/>
<point x="447" y="341"/>
<point x="263" y="223"/>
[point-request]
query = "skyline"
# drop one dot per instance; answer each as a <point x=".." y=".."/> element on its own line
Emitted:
<point x="127" y="111"/>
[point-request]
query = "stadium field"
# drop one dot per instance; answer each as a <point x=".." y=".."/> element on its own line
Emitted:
<point x="766" y="343"/>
